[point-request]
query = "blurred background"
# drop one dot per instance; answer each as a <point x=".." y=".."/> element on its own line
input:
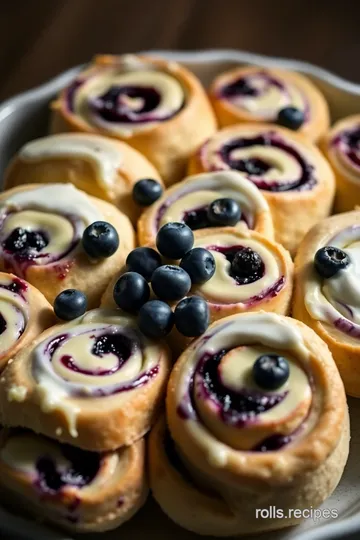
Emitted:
<point x="40" y="38"/>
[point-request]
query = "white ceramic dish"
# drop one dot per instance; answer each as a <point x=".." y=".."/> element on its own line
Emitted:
<point x="25" y="117"/>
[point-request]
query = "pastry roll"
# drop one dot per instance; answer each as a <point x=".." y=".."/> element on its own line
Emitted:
<point x="189" y="200"/>
<point x="41" y="229"/>
<point x="100" y="166"/>
<point x="158" y="107"/>
<point x="24" y="314"/>
<point x="257" y="418"/>
<point x="257" y="94"/>
<point x="95" y="382"/>
<point x="79" y="490"/>
<point x="294" y="177"/>
<point x="330" y="304"/>
<point x="341" y="147"/>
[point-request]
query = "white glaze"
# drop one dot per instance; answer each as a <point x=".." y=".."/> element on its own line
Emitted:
<point x="102" y="153"/>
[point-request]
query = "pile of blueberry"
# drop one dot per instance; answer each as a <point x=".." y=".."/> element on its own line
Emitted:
<point x="169" y="282"/>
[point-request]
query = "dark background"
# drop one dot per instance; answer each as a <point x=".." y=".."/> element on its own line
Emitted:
<point x="40" y="38"/>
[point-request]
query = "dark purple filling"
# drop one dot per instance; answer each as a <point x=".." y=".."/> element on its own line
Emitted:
<point x="235" y="407"/>
<point x="255" y="167"/>
<point x="197" y="218"/>
<point x="350" y="143"/>
<point x="83" y="468"/>
<point x="230" y="252"/>
<point x="272" y="443"/>
<point x="3" y="324"/>
<point x="243" y="86"/>
<point x="17" y="286"/>
<point x="116" y="344"/>
<point x="25" y="245"/>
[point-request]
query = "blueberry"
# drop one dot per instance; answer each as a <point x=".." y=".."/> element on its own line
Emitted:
<point x="291" y="118"/>
<point x="21" y="240"/>
<point x="155" y="319"/>
<point x="100" y="240"/>
<point x="192" y="316"/>
<point x="224" y="212"/>
<point x="146" y="191"/>
<point x="144" y="261"/>
<point x="174" y="240"/>
<point x="247" y="266"/>
<point x="271" y="371"/>
<point x="70" y="304"/>
<point x="199" y="263"/>
<point x="329" y="260"/>
<point x="131" y="291"/>
<point x="170" y="282"/>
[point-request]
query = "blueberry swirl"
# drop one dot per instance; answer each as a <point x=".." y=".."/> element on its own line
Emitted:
<point x="268" y="158"/>
<point x="42" y="225"/>
<point x="344" y="147"/>
<point x="336" y="300"/>
<point x="217" y="395"/>
<point x="14" y="312"/>
<point x="261" y="93"/>
<point x="129" y="96"/>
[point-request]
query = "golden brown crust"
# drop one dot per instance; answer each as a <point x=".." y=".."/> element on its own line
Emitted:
<point x="228" y="114"/>
<point x="345" y="349"/>
<point x="82" y="174"/>
<point x="77" y="271"/>
<point x="347" y="177"/>
<point x="99" y="423"/>
<point x="40" y="316"/>
<point x="114" y="495"/>
<point x="169" y="144"/>
<point x="294" y="212"/>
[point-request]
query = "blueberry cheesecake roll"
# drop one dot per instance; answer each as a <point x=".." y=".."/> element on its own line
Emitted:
<point x="292" y="174"/>
<point x="57" y="237"/>
<point x="158" y="107"/>
<point x="194" y="201"/>
<point x="327" y="292"/>
<point x="257" y="94"/>
<point x="100" y="166"/>
<point x="95" y="382"/>
<point x="82" y="491"/>
<point x="341" y="147"/>
<point x="24" y="314"/>
<point x="257" y="416"/>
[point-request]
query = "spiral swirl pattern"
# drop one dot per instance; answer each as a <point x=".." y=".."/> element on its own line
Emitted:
<point x="14" y="312"/>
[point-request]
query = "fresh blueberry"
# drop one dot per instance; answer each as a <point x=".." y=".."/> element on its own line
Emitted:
<point x="174" y="240"/>
<point x="144" y="261"/>
<point x="170" y="282"/>
<point x="329" y="260"/>
<point x="271" y="371"/>
<point x="70" y="304"/>
<point x="155" y="319"/>
<point x="224" y="212"/>
<point x="199" y="263"/>
<point x="192" y="316"/>
<point x="146" y="191"/>
<point x="131" y="291"/>
<point x="247" y="266"/>
<point x="291" y="118"/>
<point x="100" y="240"/>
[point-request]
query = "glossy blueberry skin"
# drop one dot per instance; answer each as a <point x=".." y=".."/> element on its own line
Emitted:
<point x="291" y="118"/>
<point x="271" y="371"/>
<point x="70" y="304"/>
<point x="192" y="316"/>
<point x="224" y="212"/>
<point x="131" y="291"/>
<point x="144" y="261"/>
<point x="246" y="266"/>
<point x="146" y="191"/>
<point x="100" y="240"/>
<point x="174" y="240"/>
<point x="155" y="319"/>
<point x="329" y="260"/>
<point x="200" y="264"/>
<point x="170" y="282"/>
